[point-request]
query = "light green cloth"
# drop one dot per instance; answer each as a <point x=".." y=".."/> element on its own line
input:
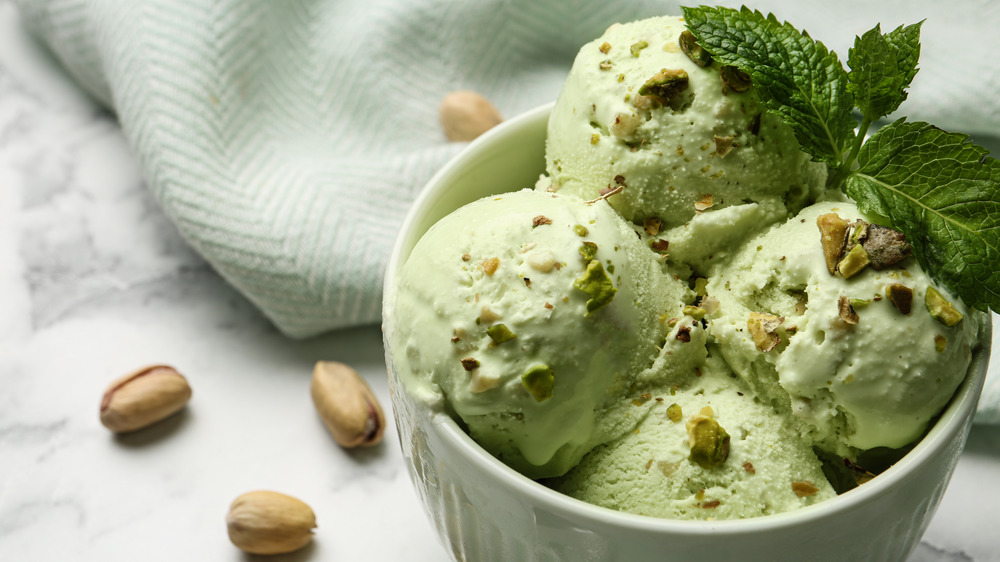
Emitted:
<point x="286" y="139"/>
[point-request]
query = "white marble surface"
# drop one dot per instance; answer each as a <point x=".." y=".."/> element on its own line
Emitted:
<point x="95" y="282"/>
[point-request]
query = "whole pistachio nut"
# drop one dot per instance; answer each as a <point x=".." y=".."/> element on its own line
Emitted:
<point x="143" y="398"/>
<point x="349" y="409"/>
<point x="265" y="522"/>
<point x="466" y="114"/>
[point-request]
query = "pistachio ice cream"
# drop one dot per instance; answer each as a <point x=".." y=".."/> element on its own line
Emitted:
<point x="863" y="356"/>
<point x="678" y="321"/>
<point x="645" y="111"/>
<point x="535" y="319"/>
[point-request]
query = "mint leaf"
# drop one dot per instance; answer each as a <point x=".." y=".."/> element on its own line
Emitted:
<point x="882" y="66"/>
<point x="794" y="76"/>
<point x="941" y="190"/>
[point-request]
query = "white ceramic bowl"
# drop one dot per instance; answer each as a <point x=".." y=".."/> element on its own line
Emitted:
<point x="483" y="510"/>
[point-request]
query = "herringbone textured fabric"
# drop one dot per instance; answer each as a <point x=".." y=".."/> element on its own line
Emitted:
<point x="287" y="138"/>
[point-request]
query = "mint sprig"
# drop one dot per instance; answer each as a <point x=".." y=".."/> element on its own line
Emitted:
<point x="796" y="77"/>
<point x="938" y="188"/>
<point x="943" y="189"/>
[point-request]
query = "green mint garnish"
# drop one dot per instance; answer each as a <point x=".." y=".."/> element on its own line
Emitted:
<point x="794" y="76"/>
<point x="938" y="188"/>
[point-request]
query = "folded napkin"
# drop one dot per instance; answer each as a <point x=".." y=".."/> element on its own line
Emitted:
<point x="287" y="139"/>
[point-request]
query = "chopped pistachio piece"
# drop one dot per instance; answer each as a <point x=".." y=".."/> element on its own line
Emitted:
<point x="694" y="312"/>
<point x="860" y="303"/>
<point x="596" y="283"/>
<point x="665" y="85"/>
<point x="674" y="412"/>
<point x="595" y="138"/>
<point x="652" y="226"/>
<point x="708" y="440"/>
<point x="701" y="286"/>
<point x="540" y="220"/>
<point x="942" y="310"/>
<point x="606" y="64"/>
<point x="804" y="489"/>
<point x="580" y="230"/>
<point x="940" y="343"/>
<point x="500" y="333"/>
<point x="693" y="50"/>
<point x="588" y="250"/>
<point x="605" y="47"/>
<point x="724" y="145"/>
<point x="901" y="297"/>
<point x="764" y="329"/>
<point x="684" y="334"/>
<point x="490" y="266"/>
<point x="735" y="79"/>
<point x="470" y="364"/>
<point x="885" y="246"/>
<point x="539" y="380"/>
<point x="846" y="311"/>
<point x="704" y="203"/>
<point x="659" y="245"/>
<point x="833" y="237"/>
<point x="636" y="48"/>
<point x="853" y="262"/>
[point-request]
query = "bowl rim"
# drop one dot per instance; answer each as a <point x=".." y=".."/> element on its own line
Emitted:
<point x="949" y="423"/>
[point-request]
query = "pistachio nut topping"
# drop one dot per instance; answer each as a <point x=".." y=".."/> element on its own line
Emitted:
<point x="500" y="333"/>
<point x="724" y="145"/>
<point x="942" y="310"/>
<point x="539" y="380"/>
<point x="846" y="310"/>
<point x="704" y="203"/>
<point x="596" y="283"/>
<point x="490" y="265"/>
<point x="804" y="489"/>
<point x="652" y="226"/>
<point x="693" y="50"/>
<point x="853" y="262"/>
<point x="674" y="412"/>
<point x="588" y="251"/>
<point x="665" y="85"/>
<point x="708" y="440"/>
<point x="940" y="343"/>
<point x="580" y="230"/>
<point x="695" y="312"/>
<point x="833" y="237"/>
<point x="540" y="220"/>
<point x="764" y="329"/>
<point x="637" y="48"/>
<point x="735" y="79"/>
<point x="885" y="246"/>
<point x="901" y="296"/>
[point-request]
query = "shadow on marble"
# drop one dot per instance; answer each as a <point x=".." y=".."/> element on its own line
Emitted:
<point x="157" y="432"/>
<point x="301" y="555"/>
<point x="984" y="440"/>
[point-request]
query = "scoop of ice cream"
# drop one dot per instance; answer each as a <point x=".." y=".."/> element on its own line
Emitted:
<point x="761" y="465"/>
<point x="533" y="317"/>
<point x="864" y="355"/>
<point x="636" y="111"/>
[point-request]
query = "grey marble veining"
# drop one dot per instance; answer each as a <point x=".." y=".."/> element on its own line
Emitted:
<point x="95" y="282"/>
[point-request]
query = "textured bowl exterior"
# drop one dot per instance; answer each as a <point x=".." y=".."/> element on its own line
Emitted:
<point x="483" y="510"/>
